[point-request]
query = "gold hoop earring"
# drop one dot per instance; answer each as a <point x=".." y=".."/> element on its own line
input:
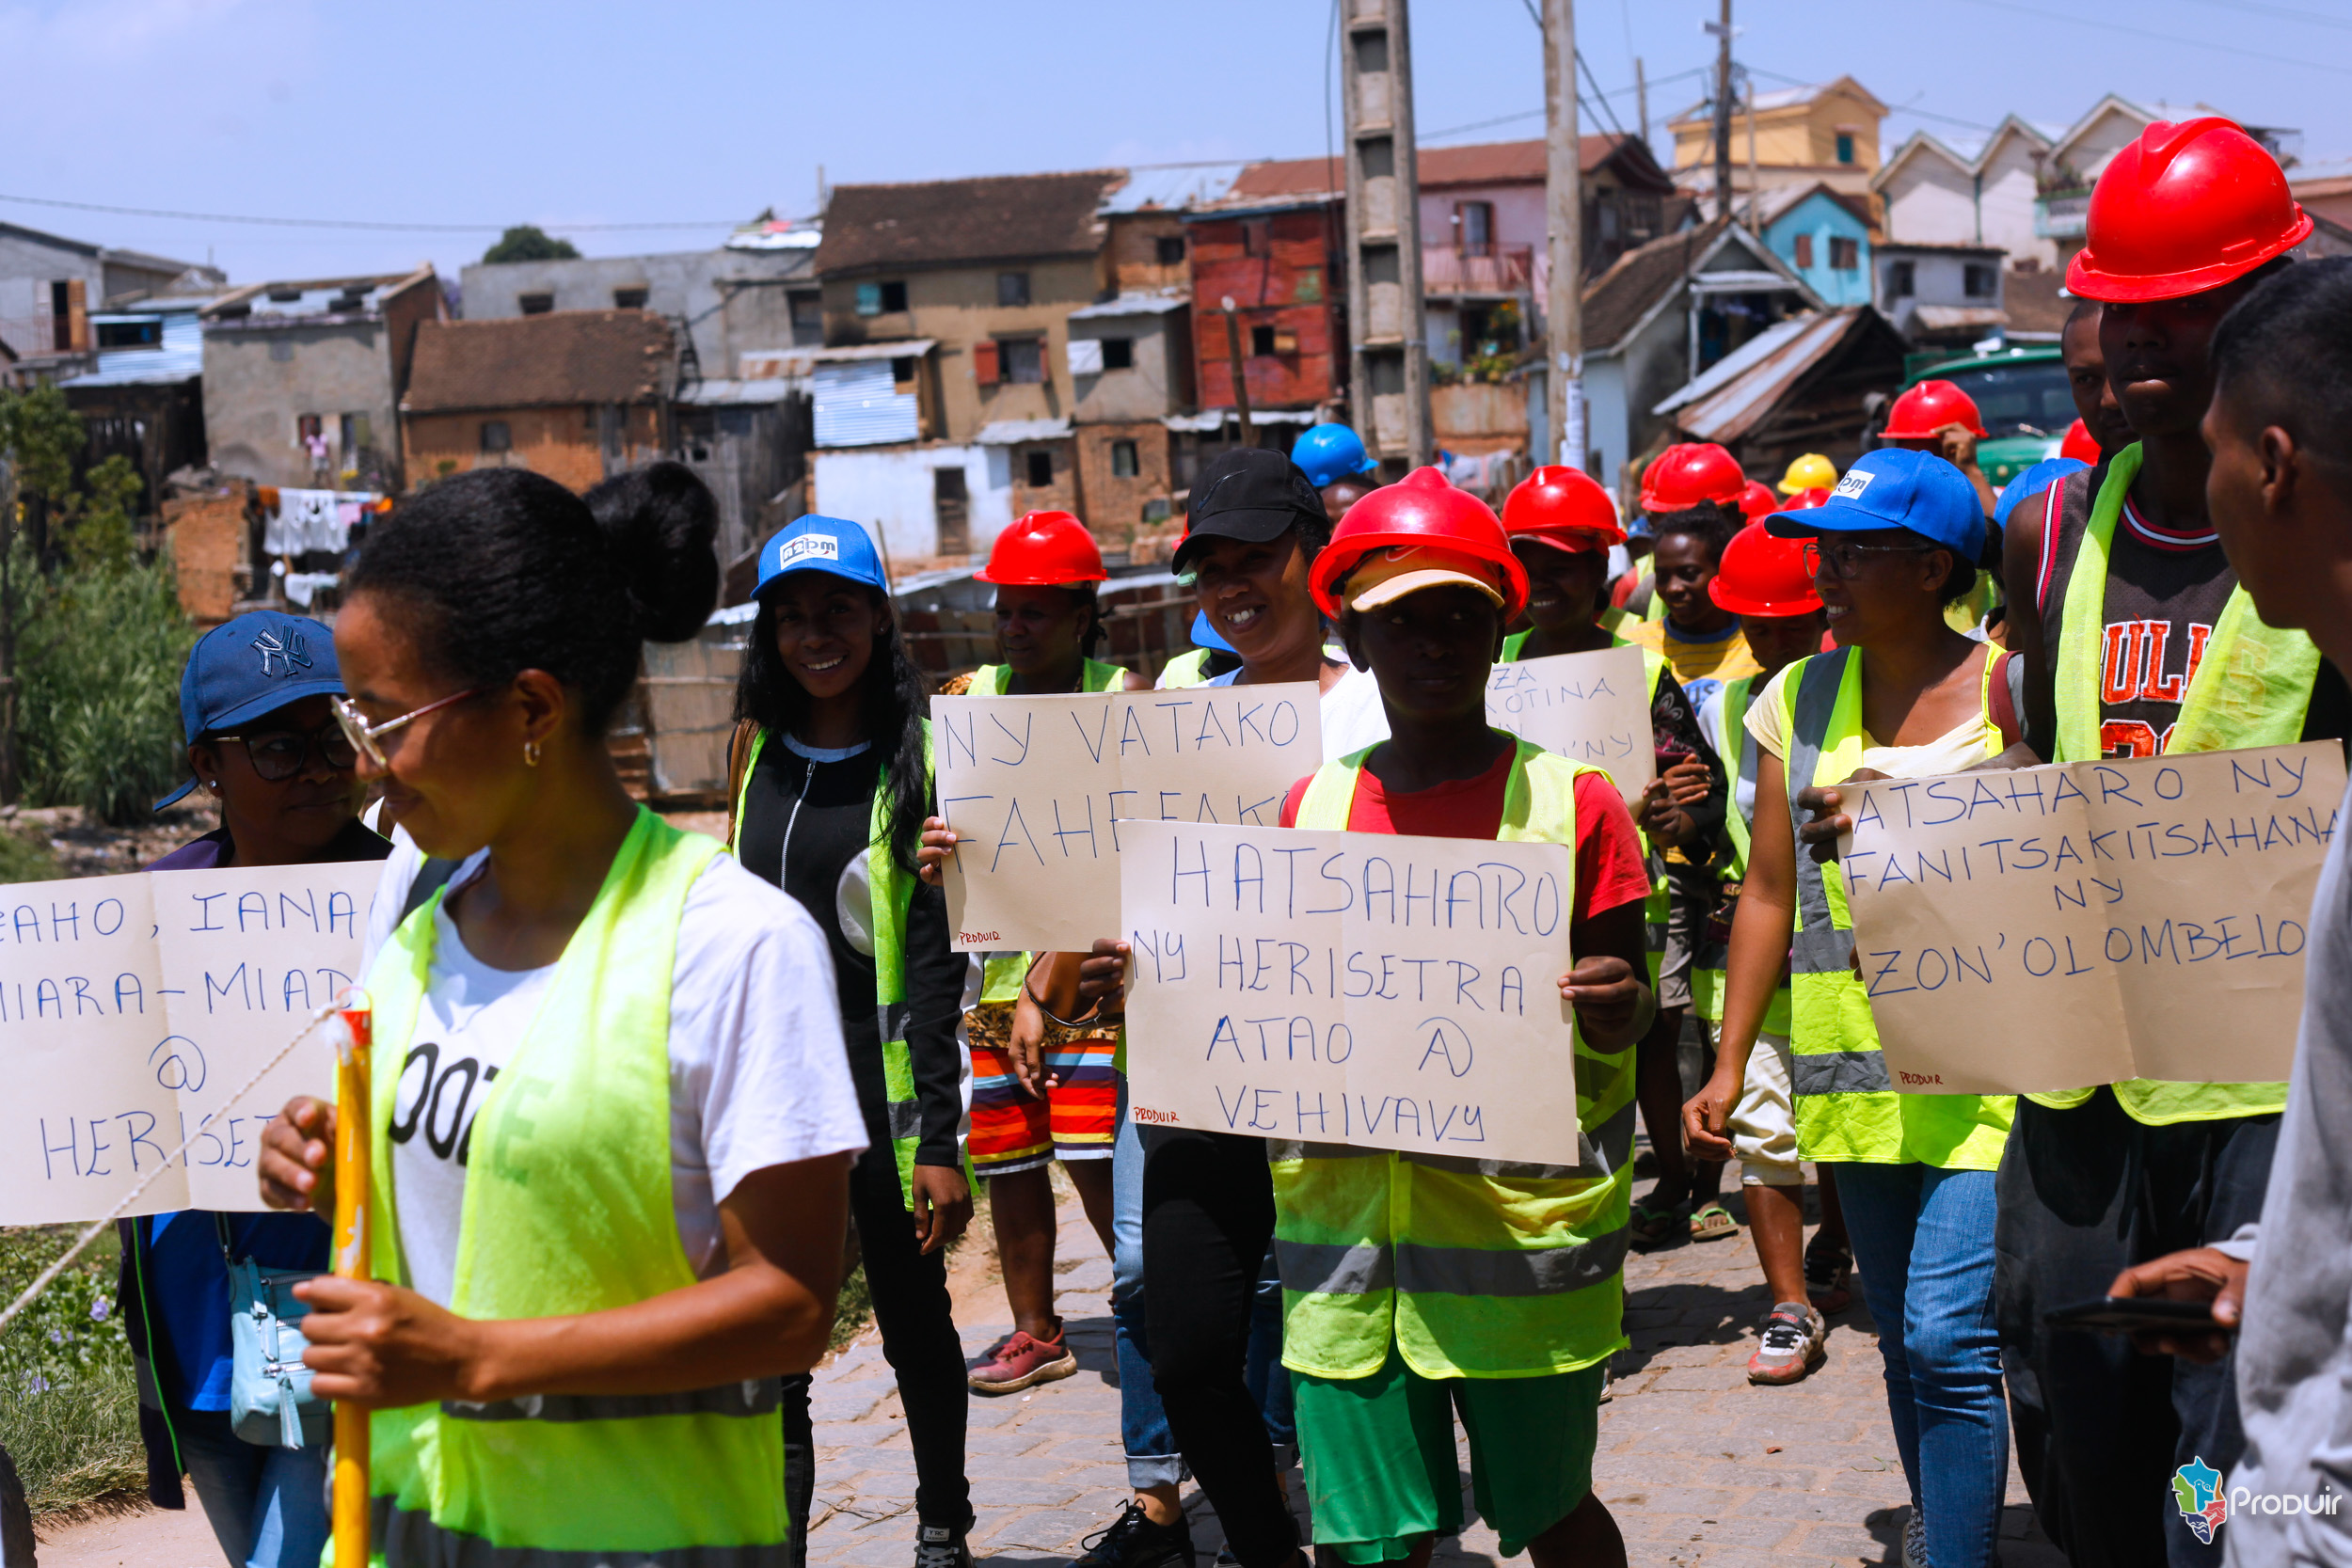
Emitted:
<point x="530" y="754"/>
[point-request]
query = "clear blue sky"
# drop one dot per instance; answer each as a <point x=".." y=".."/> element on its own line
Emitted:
<point x="589" y="112"/>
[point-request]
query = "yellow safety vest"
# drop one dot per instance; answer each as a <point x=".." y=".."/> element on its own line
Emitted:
<point x="1735" y="742"/>
<point x="1469" y="1268"/>
<point x="2253" y="688"/>
<point x="1847" y="1107"/>
<point x="569" y="1210"/>
<point x="1185" y="670"/>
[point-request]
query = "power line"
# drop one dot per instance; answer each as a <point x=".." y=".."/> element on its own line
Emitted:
<point x="340" y="222"/>
<point x="2287" y="12"/>
<point x="1898" y="109"/>
<point x="2108" y="25"/>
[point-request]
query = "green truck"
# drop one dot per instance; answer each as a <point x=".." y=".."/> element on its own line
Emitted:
<point x="2021" y="394"/>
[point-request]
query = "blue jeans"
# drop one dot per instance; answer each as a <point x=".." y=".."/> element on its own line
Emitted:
<point x="268" y="1507"/>
<point x="1152" y="1458"/>
<point x="1923" y="1245"/>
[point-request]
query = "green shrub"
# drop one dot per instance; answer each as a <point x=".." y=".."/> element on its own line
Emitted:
<point x="68" y="1409"/>
<point x="99" y="656"/>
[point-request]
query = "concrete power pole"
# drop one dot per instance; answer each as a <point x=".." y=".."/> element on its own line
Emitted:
<point x="1641" y="99"/>
<point x="1563" y="219"/>
<point x="1723" y="111"/>
<point x="1389" y="361"/>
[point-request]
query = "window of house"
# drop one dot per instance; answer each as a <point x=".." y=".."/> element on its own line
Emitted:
<point x="308" y="428"/>
<point x="1022" y="359"/>
<point x="880" y="299"/>
<point x="1977" y="281"/>
<point x="1119" y="353"/>
<point x="535" y="304"/>
<point x="894" y="298"/>
<point x="902" y="369"/>
<point x="1902" y="279"/>
<point x="1012" y="288"/>
<point x="1474" y="228"/>
<point x="1170" y="248"/>
<point x="1804" y="250"/>
<point x="1122" y="460"/>
<point x="1261" y="339"/>
<point x="1845" y="255"/>
<point x="1040" y="462"/>
<point x="495" y="438"/>
<point x="147" y="333"/>
<point x="1845" y="147"/>
<point x="629" y="299"/>
<point x="282" y="350"/>
<point x="808" y="316"/>
<point x="1257" y="236"/>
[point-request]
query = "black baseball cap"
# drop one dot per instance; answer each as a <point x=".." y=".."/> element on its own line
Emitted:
<point x="1251" y="493"/>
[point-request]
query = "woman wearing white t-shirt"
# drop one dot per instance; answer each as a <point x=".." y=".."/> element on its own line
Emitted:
<point x="614" y="1117"/>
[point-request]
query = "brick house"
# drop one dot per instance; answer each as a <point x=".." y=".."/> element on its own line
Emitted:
<point x="576" y="395"/>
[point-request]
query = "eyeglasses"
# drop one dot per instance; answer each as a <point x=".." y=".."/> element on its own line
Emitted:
<point x="278" y="755"/>
<point x="365" y="737"/>
<point x="1843" y="557"/>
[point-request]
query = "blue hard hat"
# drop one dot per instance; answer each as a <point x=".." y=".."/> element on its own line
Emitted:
<point x="1329" y="452"/>
<point x="1204" y="635"/>
<point x="2032" y="481"/>
<point x="816" y="544"/>
<point x="1895" y="487"/>
<point x="253" y="665"/>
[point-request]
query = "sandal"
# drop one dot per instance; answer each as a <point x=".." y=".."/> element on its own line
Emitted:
<point x="1713" y="1223"/>
<point x="1654" y="1224"/>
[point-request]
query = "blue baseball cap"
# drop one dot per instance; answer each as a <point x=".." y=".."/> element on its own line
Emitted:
<point x="1329" y="452"/>
<point x="1204" y="635"/>
<point x="829" y="544"/>
<point x="1893" y="487"/>
<point x="253" y="665"/>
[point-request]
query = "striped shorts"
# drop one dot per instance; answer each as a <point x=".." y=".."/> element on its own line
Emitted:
<point x="1076" y="1118"/>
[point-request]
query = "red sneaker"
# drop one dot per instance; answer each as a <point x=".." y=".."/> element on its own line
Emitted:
<point x="1791" y="1345"/>
<point x="1021" y="1361"/>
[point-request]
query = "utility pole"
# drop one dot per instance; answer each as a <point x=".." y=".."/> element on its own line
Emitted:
<point x="1755" y="191"/>
<point x="1241" y="382"/>
<point x="1563" y="219"/>
<point x="1723" y="111"/>
<point x="1389" y="361"/>
<point x="1641" y="98"/>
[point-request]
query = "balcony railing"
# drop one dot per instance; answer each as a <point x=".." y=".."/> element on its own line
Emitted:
<point x="1505" y="269"/>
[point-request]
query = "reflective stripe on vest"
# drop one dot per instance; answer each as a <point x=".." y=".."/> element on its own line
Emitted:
<point x="569" y="1210"/>
<point x="411" y="1539"/>
<point x="1470" y="1268"/>
<point x="2252" y="687"/>
<point x="1845" y="1106"/>
<point x="893" y="893"/>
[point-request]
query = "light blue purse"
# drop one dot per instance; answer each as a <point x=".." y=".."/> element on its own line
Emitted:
<point x="270" y="1403"/>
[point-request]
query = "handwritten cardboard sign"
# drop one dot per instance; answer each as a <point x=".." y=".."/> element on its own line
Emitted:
<point x="1588" y="707"/>
<point x="131" y="1007"/>
<point x="2060" y="926"/>
<point x="1039" y="790"/>
<point x="1363" y="989"/>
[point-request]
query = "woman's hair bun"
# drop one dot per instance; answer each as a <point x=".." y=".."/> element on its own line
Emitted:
<point x="660" y="523"/>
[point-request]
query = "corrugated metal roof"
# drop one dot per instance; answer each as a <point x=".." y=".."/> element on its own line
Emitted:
<point x="1214" y="418"/>
<point x="1011" y="433"/>
<point x="710" y="394"/>
<point x="856" y="406"/>
<point x="1943" y="318"/>
<point x="1739" y="390"/>
<point x="763" y="363"/>
<point x="180" y="357"/>
<point x="1172" y="190"/>
<point x="1154" y="304"/>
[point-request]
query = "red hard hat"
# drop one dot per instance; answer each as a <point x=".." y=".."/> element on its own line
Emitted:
<point x="1928" y="408"/>
<point x="2183" y="209"/>
<point x="1558" y="500"/>
<point x="1818" y="496"/>
<point x="1689" y="473"/>
<point x="2080" y="445"/>
<point x="1044" y="550"/>
<point x="1419" y="509"/>
<point x="1760" y="575"/>
<point x="1758" y="500"/>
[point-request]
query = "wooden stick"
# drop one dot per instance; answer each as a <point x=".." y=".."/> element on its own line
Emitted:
<point x="349" y="1512"/>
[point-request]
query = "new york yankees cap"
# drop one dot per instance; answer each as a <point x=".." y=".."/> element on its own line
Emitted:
<point x="253" y="665"/>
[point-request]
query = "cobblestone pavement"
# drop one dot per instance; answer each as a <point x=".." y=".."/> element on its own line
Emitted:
<point x="1699" y="1466"/>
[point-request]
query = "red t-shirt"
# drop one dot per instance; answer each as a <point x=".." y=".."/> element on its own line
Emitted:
<point x="1609" y="870"/>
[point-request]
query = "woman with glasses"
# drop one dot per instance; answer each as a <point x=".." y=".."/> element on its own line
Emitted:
<point x="263" y="744"/>
<point x="1904" y="696"/>
<point x="613" y="1116"/>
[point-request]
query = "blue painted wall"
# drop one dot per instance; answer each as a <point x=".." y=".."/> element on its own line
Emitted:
<point x="1823" y="218"/>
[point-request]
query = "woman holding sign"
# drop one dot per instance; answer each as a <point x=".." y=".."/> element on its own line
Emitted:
<point x="613" y="1116"/>
<point x="264" y="742"/>
<point x="831" y="771"/>
<point x="1562" y="524"/>
<point x="1905" y="696"/>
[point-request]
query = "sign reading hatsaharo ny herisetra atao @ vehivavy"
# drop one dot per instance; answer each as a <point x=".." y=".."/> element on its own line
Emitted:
<point x="2056" y="928"/>
<point x="1364" y="988"/>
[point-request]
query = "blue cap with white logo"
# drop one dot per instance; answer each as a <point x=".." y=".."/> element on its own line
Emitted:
<point x="1895" y="487"/>
<point x="251" y="666"/>
<point x="829" y="544"/>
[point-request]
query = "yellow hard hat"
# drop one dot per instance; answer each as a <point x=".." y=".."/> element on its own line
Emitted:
<point x="1810" y="472"/>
